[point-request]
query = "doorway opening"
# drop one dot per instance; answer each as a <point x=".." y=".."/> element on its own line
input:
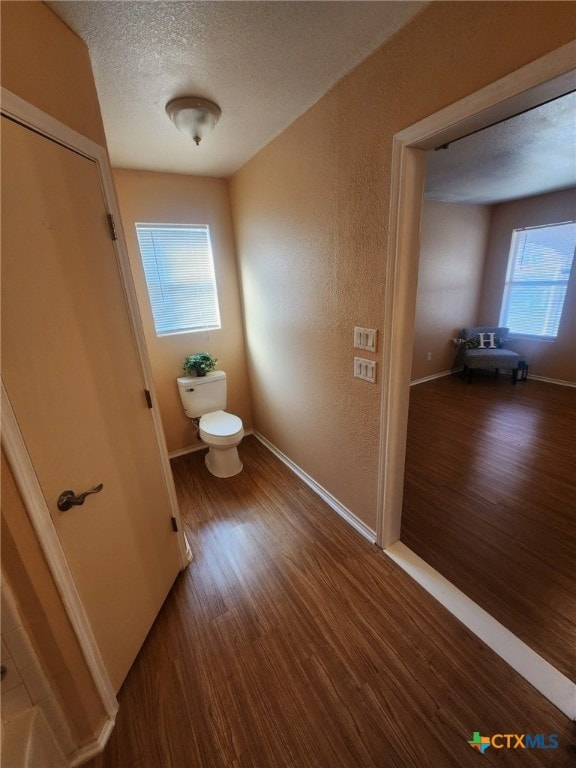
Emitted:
<point x="538" y="82"/>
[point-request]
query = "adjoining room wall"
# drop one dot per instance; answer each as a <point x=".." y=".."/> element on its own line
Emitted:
<point x="168" y="198"/>
<point x="311" y="214"/>
<point x="550" y="359"/>
<point x="452" y="253"/>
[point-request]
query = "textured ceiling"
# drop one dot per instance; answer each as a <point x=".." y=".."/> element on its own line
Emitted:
<point x="529" y="154"/>
<point x="263" y="63"/>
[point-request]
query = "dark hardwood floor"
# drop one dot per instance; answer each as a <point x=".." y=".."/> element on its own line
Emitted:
<point x="490" y="501"/>
<point x="291" y="642"/>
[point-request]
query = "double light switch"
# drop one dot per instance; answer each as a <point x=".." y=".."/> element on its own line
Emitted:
<point x="365" y="338"/>
<point x="364" y="369"/>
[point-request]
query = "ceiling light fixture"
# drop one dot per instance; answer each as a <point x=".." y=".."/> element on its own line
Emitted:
<point x="193" y="117"/>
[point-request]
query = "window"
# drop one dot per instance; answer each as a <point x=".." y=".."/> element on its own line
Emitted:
<point x="538" y="271"/>
<point x="179" y="271"/>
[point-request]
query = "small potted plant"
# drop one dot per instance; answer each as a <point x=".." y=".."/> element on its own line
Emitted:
<point x="199" y="364"/>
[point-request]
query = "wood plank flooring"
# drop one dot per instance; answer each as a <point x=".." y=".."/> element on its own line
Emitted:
<point x="291" y="642"/>
<point x="490" y="501"/>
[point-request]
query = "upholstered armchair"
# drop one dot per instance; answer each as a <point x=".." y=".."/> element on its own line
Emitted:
<point x="487" y="348"/>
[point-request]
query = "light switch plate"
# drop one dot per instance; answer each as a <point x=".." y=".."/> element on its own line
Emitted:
<point x="365" y="369"/>
<point x="365" y="338"/>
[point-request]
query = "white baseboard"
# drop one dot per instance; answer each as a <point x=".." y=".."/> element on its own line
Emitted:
<point x="189" y="449"/>
<point x="87" y="752"/>
<point x="537" y="671"/>
<point x="325" y="495"/>
<point x="437" y="375"/>
<point x="559" y="382"/>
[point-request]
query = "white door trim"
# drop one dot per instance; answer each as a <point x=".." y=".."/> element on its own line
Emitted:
<point x="542" y="80"/>
<point x="30" y="116"/>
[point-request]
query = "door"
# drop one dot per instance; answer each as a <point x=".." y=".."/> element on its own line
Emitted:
<point x="74" y="378"/>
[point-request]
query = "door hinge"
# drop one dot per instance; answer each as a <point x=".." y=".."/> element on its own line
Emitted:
<point x="112" y="226"/>
<point x="148" y="398"/>
<point x="174" y="525"/>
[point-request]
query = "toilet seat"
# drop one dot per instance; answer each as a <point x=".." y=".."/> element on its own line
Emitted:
<point x="220" y="428"/>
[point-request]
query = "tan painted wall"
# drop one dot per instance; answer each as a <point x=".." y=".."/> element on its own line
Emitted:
<point x="551" y="359"/>
<point x="45" y="63"/>
<point x="311" y="217"/>
<point x="177" y="199"/>
<point x="452" y="253"/>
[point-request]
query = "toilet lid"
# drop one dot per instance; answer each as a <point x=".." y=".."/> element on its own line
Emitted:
<point x="220" y="423"/>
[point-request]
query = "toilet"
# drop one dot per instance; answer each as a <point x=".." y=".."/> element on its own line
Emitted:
<point x="205" y="397"/>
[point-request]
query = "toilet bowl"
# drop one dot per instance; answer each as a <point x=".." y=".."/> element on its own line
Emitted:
<point x="205" y="397"/>
<point x="222" y="432"/>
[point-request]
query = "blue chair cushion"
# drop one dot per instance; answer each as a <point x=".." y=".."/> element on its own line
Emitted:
<point x="490" y="359"/>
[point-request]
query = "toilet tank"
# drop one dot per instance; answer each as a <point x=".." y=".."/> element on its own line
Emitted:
<point x="203" y="394"/>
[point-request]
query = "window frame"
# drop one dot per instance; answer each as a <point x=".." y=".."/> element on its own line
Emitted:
<point x="169" y="287"/>
<point x="549" y="283"/>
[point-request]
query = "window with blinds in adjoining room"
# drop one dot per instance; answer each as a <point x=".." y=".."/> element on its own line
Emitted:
<point x="539" y="268"/>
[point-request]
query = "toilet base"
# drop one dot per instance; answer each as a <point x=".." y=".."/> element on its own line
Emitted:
<point x="223" y="462"/>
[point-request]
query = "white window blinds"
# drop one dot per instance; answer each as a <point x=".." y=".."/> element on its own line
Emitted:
<point x="538" y="272"/>
<point x="179" y="271"/>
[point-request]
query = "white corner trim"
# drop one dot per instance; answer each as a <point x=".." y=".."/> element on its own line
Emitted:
<point x="325" y="495"/>
<point x="33" y="498"/>
<point x="437" y="376"/>
<point x="94" y="748"/>
<point x="551" y="683"/>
